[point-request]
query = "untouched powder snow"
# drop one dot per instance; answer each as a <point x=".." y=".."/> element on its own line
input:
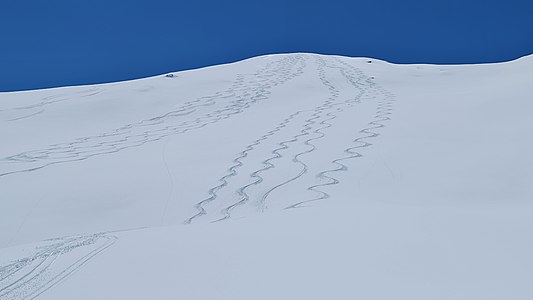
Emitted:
<point x="295" y="176"/>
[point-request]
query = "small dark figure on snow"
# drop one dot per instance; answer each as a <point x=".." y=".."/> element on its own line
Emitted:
<point x="369" y="61"/>
<point x="170" y="76"/>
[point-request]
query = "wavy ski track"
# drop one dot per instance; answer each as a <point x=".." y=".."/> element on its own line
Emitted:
<point x="226" y="212"/>
<point x="307" y="129"/>
<point x="334" y="94"/>
<point x="383" y="110"/>
<point x="246" y="93"/>
<point x="31" y="276"/>
<point x="237" y="162"/>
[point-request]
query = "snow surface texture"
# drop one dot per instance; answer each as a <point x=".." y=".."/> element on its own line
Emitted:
<point x="295" y="176"/>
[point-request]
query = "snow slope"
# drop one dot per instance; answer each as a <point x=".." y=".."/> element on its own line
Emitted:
<point x="295" y="176"/>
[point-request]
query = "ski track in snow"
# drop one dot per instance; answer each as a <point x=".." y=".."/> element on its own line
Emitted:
<point x="54" y="260"/>
<point x="29" y="277"/>
<point x="49" y="264"/>
<point x="384" y="109"/>
<point x="319" y="112"/>
<point x="237" y="162"/>
<point x="244" y="92"/>
<point x="327" y="112"/>
<point x="232" y="171"/>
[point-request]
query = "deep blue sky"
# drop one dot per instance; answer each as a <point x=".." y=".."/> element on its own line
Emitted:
<point x="47" y="43"/>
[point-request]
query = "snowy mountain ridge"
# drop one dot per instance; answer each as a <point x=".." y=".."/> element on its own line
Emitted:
<point x="281" y="176"/>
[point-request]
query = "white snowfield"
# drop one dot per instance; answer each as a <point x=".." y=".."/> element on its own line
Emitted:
<point x="295" y="176"/>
